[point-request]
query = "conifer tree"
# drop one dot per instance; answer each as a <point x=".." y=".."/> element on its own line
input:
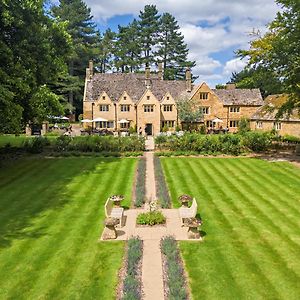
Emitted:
<point x="172" y="50"/>
<point x="148" y="31"/>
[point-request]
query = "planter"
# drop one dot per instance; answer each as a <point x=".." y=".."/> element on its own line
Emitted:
<point x="193" y="231"/>
<point x="110" y="232"/>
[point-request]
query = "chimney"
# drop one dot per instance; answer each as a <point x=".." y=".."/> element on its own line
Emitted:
<point x="147" y="76"/>
<point x="91" y="67"/>
<point x="188" y="80"/>
<point x="160" y="71"/>
<point x="230" y="86"/>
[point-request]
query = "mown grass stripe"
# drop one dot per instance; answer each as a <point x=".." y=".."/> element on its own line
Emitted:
<point x="47" y="256"/>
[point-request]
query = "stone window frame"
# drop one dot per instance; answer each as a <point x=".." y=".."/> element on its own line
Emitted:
<point x="149" y="108"/>
<point x="233" y="123"/>
<point x="259" y="124"/>
<point x="104" y="107"/>
<point x="105" y="124"/>
<point x="205" y="110"/>
<point x="234" y="109"/>
<point x="168" y="123"/>
<point x="203" y="95"/>
<point x="103" y="97"/>
<point x="168" y="107"/>
<point x="148" y="97"/>
<point x="277" y="125"/>
<point x="125" y="108"/>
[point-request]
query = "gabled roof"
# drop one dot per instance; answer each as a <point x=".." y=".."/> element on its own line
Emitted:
<point x="241" y="97"/>
<point x="269" y="110"/>
<point x="114" y="84"/>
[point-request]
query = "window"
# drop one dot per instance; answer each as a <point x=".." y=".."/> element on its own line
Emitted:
<point x="148" y="97"/>
<point x="125" y="107"/>
<point x="124" y="125"/>
<point x="277" y="125"/>
<point x="259" y="124"/>
<point x="148" y="108"/>
<point x="169" y="124"/>
<point x="104" y="107"/>
<point x="103" y="97"/>
<point x="210" y="124"/>
<point x="205" y="110"/>
<point x="105" y="124"/>
<point x="234" y="109"/>
<point x="234" y="123"/>
<point x="124" y="97"/>
<point x="203" y="96"/>
<point x="168" y="107"/>
<point x="168" y="98"/>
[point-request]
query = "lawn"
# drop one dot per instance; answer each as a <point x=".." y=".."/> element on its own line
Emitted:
<point x="51" y="217"/>
<point x="251" y="214"/>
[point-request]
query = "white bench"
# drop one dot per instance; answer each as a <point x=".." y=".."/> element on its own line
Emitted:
<point x="114" y="212"/>
<point x="188" y="212"/>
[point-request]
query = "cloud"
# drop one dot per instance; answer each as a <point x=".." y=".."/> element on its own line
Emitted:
<point x="209" y="27"/>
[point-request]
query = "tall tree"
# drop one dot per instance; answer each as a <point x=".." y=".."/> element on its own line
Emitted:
<point x="148" y="31"/>
<point x="172" y="50"/>
<point x="127" y="51"/>
<point x="279" y="49"/>
<point x="84" y="35"/>
<point x="33" y="49"/>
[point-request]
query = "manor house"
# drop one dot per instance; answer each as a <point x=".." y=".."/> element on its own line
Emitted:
<point x="118" y="101"/>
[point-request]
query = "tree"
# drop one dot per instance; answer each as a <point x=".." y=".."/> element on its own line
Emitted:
<point x="83" y="31"/>
<point x="278" y="50"/>
<point x="33" y="49"/>
<point x="172" y="50"/>
<point x="188" y="112"/>
<point x="148" y="30"/>
<point x="127" y="50"/>
<point x="244" y="126"/>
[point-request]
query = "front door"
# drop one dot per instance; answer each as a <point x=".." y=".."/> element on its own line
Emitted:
<point x="148" y="129"/>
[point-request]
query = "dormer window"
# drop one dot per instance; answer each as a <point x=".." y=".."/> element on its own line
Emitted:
<point x="148" y="97"/>
<point x="103" y="97"/>
<point x="203" y="96"/>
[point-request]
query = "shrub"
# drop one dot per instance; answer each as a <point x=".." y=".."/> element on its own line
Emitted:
<point x="162" y="192"/>
<point x="140" y="185"/>
<point x="132" y="284"/>
<point x="257" y="141"/>
<point x="62" y="143"/>
<point x="151" y="218"/>
<point x="174" y="270"/>
<point x="291" y="139"/>
<point x="244" y="126"/>
<point x="36" y="145"/>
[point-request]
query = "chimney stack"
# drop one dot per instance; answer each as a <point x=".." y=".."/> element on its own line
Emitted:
<point x="160" y="71"/>
<point x="147" y="76"/>
<point x="188" y="80"/>
<point x="91" y="67"/>
<point x="230" y="86"/>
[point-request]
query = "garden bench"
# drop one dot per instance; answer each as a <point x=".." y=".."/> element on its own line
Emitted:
<point x="114" y="212"/>
<point x="188" y="212"/>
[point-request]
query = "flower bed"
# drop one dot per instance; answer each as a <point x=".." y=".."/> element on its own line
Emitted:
<point x="174" y="279"/>
<point x="132" y="287"/>
<point x="140" y="184"/>
<point x="151" y="218"/>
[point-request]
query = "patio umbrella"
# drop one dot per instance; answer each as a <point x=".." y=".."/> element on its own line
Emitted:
<point x="64" y="118"/>
<point x="123" y="121"/>
<point x="86" y="121"/>
<point x="100" y="120"/>
<point x="217" y="120"/>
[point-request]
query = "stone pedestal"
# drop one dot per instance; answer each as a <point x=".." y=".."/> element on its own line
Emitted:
<point x="185" y="199"/>
<point x="28" y="130"/>
<point x="193" y="231"/>
<point x="110" y="232"/>
<point x="45" y="128"/>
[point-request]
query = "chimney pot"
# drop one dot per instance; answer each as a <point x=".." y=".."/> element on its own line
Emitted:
<point x="230" y="86"/>
<point x="188" y="79"/>
<point x="91" y="67"/>
<point x="147" y="76"/>
<point x="160" y="71"/>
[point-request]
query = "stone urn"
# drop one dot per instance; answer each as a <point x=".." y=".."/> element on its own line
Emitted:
<point x="116" y="199"/>
<point x="110" y="232"/>
<point x="185" y="199"/>
<point x="193" y="224"/>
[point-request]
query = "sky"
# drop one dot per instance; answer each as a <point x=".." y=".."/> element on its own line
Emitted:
<point x="213" y="29"/>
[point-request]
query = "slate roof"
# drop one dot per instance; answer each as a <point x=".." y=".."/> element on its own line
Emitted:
<point x="270" y="108"/>
<point x="241" y="97"/>
<point x="114" y="84"/>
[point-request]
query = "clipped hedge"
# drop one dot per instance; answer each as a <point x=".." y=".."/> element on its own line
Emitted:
<point x="132" y="289"/>
<point x="231" y="144"/>
<point x="162" y="192"/>
<point x="174" y="281"/>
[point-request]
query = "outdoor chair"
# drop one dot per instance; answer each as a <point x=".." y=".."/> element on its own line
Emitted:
<point x="114" y="212"/>
<point x="188" y="212"/>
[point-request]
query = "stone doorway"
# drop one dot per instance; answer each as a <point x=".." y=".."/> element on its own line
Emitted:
<point x="149" y="129"/>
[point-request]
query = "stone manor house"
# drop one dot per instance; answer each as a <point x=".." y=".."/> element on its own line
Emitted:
<point x="117" y="101"/>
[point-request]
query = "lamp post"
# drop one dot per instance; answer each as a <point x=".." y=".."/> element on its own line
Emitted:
<point x="93" y="104"/>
